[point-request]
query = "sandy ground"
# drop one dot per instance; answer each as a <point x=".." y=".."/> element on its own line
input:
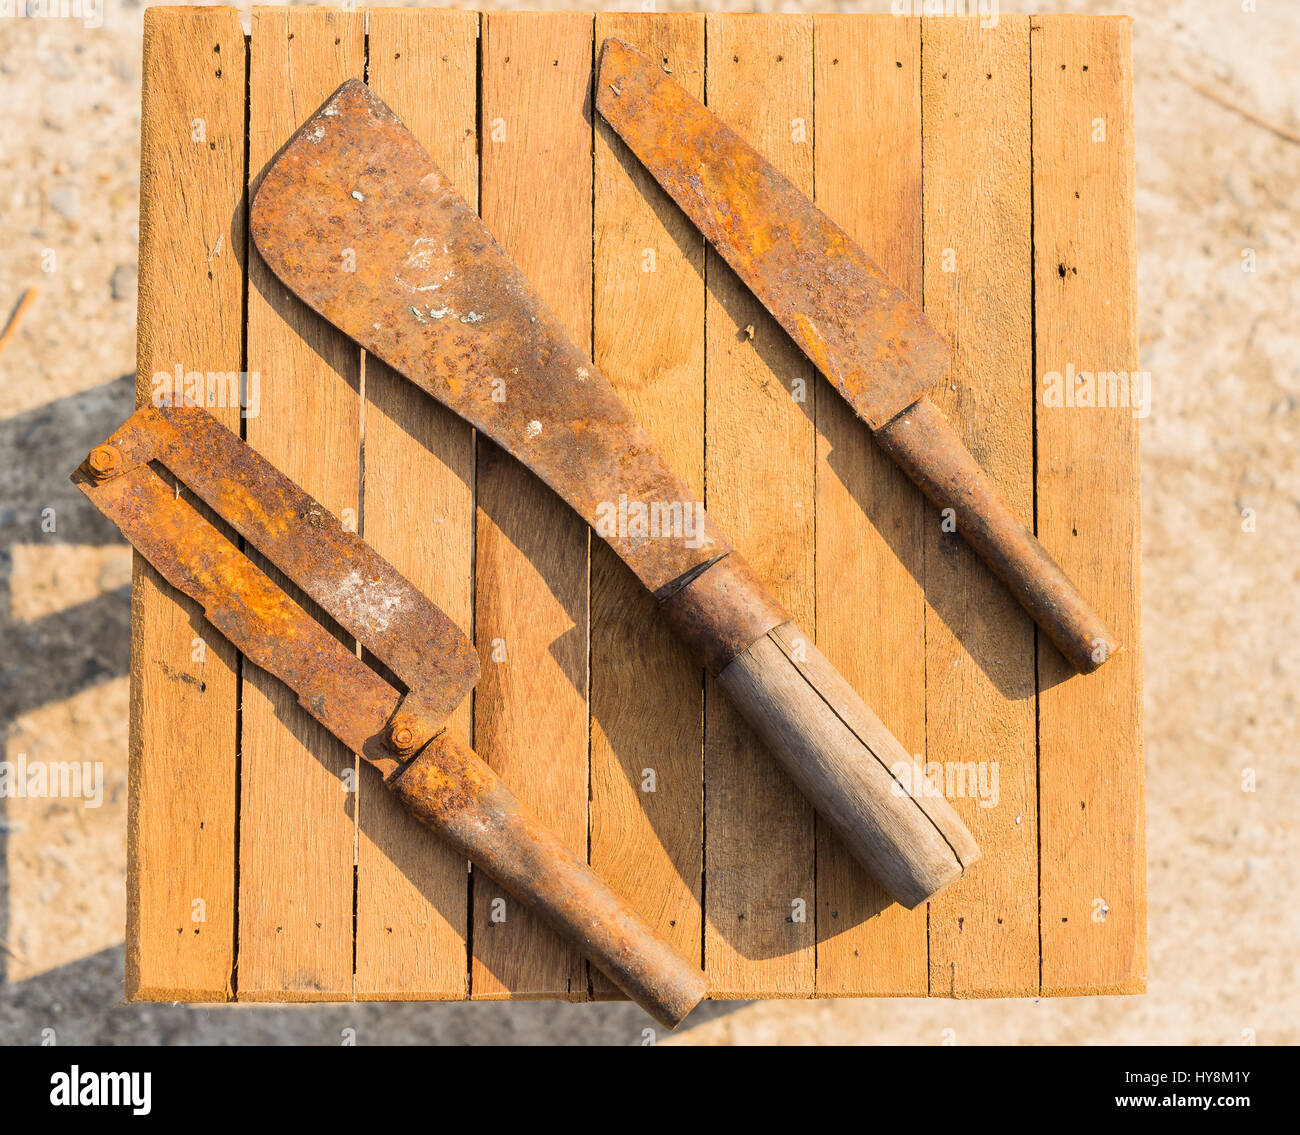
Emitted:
<point x="1218" y="166"/>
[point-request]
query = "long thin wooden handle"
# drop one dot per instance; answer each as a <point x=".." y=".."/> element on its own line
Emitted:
<point x="927" y="448"/>
<point x="851" y="768"/>
<point x="451" y="790"/>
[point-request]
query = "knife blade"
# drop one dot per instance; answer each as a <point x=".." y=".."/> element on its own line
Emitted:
<point x="135" y="478"/>
<point x="871" y="341"/>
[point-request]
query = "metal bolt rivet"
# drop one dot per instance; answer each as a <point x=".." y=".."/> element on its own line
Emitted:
<point x="403" y="736"/>
<point x="104" y="461"/>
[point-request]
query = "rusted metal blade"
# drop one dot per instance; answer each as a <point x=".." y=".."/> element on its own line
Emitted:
<point x="437" y="298"/>
<point x="136" y="480"/>
<point x="865" y="335"/>
<point x="868" y="338"/>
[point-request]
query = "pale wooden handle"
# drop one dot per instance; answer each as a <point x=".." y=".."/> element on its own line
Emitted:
<point x="841" y="757"/>
<point x="451" y="790"/>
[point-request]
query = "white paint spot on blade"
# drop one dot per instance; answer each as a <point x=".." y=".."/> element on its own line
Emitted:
<point x="419" y="315"/>
<point x="357" y="194"/>
<point x="583" y="374"/>
<point x="368" y="602"/>
<point x="441" y="312"/>
<point x="472" y="317"/>
<point x="330" y="111"/>
<point x="532" y="429"/>
<point x="317" y="134"/>
<point x="422" y="256"/>
<point x="410" y="287"/>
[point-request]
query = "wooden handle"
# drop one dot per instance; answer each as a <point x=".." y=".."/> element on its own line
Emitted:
<point x="927" y="448"/>
<point x="848" y="765"/>
<point x="449" y="789"/>
<point x="836" y="750"/>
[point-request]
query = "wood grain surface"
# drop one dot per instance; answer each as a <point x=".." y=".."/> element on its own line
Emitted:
<point x="297" y="830"/>
<point x="647" y="772"/>
<point x="418" y="511"/>
<point x="979" y="643"/>
<point x="870" y="598"/>
<point x="531" y="720"/>
<point x="1093" y="855"/>
<point x="990" y="171"/>
<point x="180" y="913"/>
<point x="759" y="897"/>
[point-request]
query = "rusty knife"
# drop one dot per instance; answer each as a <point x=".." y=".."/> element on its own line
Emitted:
<point x="874" y="345"/>
<point x="136" y="479"/>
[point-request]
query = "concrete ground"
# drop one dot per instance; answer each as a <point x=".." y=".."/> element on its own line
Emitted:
<point x="1218" y="170"/>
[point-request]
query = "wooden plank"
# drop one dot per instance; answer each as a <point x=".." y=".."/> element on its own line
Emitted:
<point x="760" y="458"/>
<point x="297" y="832"/>
<point x="1090" y="728"/>
<point x="180" y="915"/>
<point x="979" y="642"/>
<point x="647" y="693"/>
<point x="418" y="511"/>
<point x="870" y="517"/>
<point x="531" y="596"/>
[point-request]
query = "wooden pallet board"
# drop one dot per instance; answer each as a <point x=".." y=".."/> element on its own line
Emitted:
<point x="989" y="170"/>
<point x="418" y="511"/>
<point x="647" y="737"/>
<point x="180" y="915"/>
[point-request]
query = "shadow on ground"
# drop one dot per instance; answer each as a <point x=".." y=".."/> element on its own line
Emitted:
<point x="82" y="1003"/>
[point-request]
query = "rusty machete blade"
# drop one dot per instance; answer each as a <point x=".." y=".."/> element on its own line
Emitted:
<point x="445" y="785"/>
<point x="135" y="479"/>
<point x="863" y="333"/>
<point x="866" y="336"/>
<point x="436" y="297"/>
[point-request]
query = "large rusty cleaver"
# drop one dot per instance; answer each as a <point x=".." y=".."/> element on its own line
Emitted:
<point x="136" y="477"/>
<point x="436" y="297"/>
<point x="868" y="338"/>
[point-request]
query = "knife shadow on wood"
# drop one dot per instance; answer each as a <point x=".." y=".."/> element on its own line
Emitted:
<point x="959" y="589"/>
<point x="993" y="630"/>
